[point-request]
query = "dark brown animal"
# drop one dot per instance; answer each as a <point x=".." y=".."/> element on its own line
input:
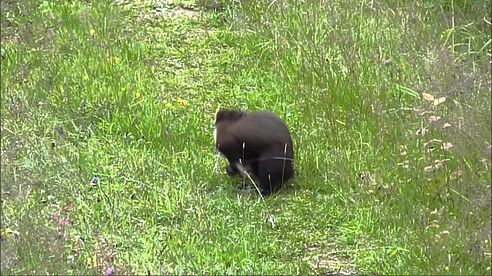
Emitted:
<point x="258" y="142"/>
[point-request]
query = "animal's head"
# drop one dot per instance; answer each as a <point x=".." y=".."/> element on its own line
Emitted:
<point x="228" y="115"/>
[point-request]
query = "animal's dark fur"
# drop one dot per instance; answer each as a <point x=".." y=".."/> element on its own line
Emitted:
<point x="258" y="141"/>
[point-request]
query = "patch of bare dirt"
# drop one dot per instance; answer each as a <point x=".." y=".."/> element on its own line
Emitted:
<point x="167" y="9"/>
<point x="333" y="262"/>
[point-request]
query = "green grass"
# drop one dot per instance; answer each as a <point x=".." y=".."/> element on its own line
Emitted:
<point x="124" y="95"/>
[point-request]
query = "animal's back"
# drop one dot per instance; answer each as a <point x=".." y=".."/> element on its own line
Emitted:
<point x="264" y="126"/>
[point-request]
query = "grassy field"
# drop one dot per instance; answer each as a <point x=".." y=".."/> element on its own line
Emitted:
<point x="107" y="158"/>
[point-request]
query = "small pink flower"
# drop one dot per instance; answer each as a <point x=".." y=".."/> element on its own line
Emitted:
<point x="64" y="221"/>
<point x="109" y="271"/>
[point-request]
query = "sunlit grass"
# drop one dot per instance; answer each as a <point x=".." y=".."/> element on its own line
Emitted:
<point x="107" y="120"/>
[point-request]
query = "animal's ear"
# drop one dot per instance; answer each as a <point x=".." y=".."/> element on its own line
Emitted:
<point x="219" y="116"/>
<point x="225" y="114"/>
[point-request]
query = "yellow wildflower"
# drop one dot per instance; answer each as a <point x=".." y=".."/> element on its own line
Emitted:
<point x="182" y="103"/>
<point x="8" y="233"/>
<point x="92" y="32"/>
<point x="94" y="260"/>
<point x="137" y="95"/>
<point x="114" y="60"/>
<point x="167" y="104"/>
